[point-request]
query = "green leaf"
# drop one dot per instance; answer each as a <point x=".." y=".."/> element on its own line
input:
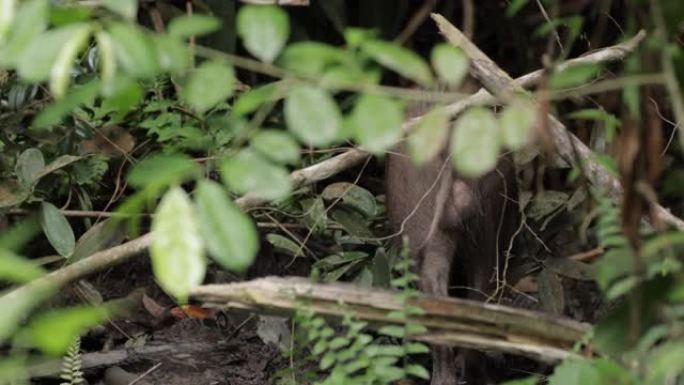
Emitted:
<point x="56" y="111"/>
<point x="160" y="170"/>
<point x="417" y="371"/>
<point x="314" y="214"/>
<point x="57" y="229"/>
<point x="284" y="244"/>
<point x="210" y="84"/>
<point x="416" y="348"/>
<point x="513" y="8"/>
<point x="312" y="115"/>
<point x="54" y="331"/>
<point x="574" y="372"/>
<point x="177" y="249"/>
<point x="517" y="122"/>
<point x="107" y="57"/>
<point x="57" y="164"/>
<point x="393" y="331"/>
<point x="30" y="20"/>
<point x="399" y="59"/>
<point x="247" y="172"/>
<point x="450" y="63"/>
<point x="312" y="58"/>
<point x="127" y="9"/>
<point x="475" y="142"/>
<point x="60" y="74"/>
<point x="7" y="11"/>
<point x="251" y="100"/>
<point x="134" y="50"/>
<point x="36" y="62"/>
<point x="103" y="235"/>
<point x="573" y="76"/>
<point x="28" y="167"/>
<point x="377" y="122"/>
<point x="16" y="269"/>
<point x="524" y="381"/>
<point x="18" y="303"/>
<point x="264" y="29"/>
<point x="193" y="25"/>
<point x="230" y="234"/>
<point x="429" y="136"/>
<point x="173" y="56"/>
<point x="353" y="195"/>
<point x="276" y="145"/>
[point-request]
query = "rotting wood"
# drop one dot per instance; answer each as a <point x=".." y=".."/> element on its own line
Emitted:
<point x="450" y="321"/>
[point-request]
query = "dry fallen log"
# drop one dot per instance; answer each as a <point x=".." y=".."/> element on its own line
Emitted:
<point x="569" y="147"/>
<point x="450" y="321"/>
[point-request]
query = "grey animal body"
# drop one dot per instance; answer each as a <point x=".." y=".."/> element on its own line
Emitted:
<point x="457" y="229"/>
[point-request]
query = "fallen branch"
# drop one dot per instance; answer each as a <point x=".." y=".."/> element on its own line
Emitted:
<point x="318" y="172"/>
<point x="450" y="321"/>
<point x="568" y="146"/>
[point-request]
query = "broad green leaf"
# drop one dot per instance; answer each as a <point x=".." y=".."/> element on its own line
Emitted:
<point x="107" y="57"/>
<point x="17" y="269"/>
<point x="30" y="20"/>
<point x="663" y="242"/>
<point x="417" y="371"/>
<point x="450" y="63"/>
<point x="57" y="229"/>
<point x="377" y="122"/>
<point x="247" y="172"/>
<point x="56" y="111"/>
<point x="573" y="76"/>
<point x="108" y="233"/>
<point x="162" y="170"/>
<point x="177" y="249"/>
<point x="60" y="74"/>
<point x="173" y="56"/>
<point x="517" y="122"/>
<point x="353" y="195"/>
<point x="311" y="58"/>
<point x="400" y="60"/>
<point x="284" y="244"/>
<point x="229" y="233"/>
<point x="312" y="115"/>
<point x="251" y="100"/>
<point x="276" y="145"/>
<point x="36" y="62"/>
<point x="134" y="50"/>
<point x="264" y="29"/>
<point x="193" y="25"/>
<point x="429" y="136"/>
<point x="475" y="142"/>
<point x="125" y="94"/>
<point x="127" y="9"/>
<point x="575" y="372"/>
<point x="53" y="331"/>
<point x="7" y="10"/>
<point x="210" y="84"/>
<point x="28" y="167"/>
